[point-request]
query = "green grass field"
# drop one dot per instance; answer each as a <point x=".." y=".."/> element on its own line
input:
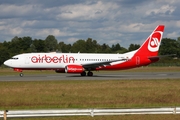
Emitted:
<point x="89" y="94"/>
<point x="92" y="94"/>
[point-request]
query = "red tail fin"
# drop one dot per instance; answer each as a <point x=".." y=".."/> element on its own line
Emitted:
<point x="151" y="46"/>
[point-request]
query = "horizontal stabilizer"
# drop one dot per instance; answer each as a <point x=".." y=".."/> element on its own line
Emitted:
<point x="155" y="58"/>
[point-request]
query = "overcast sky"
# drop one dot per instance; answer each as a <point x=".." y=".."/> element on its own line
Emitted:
<point x="107" y="21"/>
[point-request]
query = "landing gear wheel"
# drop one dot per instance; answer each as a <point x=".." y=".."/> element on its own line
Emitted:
<point x="83" y="73"/>
<point x="21" y="74"/>
<point x="90" y="73"/>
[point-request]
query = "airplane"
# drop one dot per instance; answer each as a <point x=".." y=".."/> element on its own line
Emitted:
<point x="85" y="63"/>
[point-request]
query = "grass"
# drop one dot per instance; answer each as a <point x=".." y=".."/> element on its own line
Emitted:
<point x="89" y="94"/>
<point x="93" y="94"/>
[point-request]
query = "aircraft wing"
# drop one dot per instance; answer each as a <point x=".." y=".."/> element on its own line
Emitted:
<point x="102" y="63"/>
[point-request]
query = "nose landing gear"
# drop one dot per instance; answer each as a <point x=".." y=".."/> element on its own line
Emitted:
<point x="19" y="70"/>
<point x="21" y="74"/>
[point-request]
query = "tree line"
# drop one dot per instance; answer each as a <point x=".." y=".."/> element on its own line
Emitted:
<point x="26" y="44"/>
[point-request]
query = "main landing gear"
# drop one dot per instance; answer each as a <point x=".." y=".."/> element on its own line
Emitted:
<point x="88" y="74"/>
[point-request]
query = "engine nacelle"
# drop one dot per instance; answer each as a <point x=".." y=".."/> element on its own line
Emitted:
<point x="74" y="69"/>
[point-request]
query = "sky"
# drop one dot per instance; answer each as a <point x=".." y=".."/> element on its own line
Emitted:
<point x="106" y="21"/>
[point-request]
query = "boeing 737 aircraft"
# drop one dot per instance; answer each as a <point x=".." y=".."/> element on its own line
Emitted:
<point x="82" y="62"/>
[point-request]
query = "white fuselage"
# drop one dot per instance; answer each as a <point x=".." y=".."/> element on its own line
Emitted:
<point x="60" y="60"/>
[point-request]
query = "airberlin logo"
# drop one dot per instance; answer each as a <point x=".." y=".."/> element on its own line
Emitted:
<point x="52" y="59"/>
<point x="154" y="41"/>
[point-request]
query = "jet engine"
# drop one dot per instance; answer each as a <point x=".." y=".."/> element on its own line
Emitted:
<point x="74" y="69"/>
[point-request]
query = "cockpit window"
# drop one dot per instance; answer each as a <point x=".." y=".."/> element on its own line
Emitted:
<point x="14" y="58"/>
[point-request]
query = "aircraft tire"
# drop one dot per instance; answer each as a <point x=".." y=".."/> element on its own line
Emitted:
<point x="83" y="73"/>
<point x="21" y="74"/>
<point x="90" y="73"/>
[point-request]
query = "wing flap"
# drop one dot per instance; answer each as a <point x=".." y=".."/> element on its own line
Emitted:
<point x="98" y="64"/>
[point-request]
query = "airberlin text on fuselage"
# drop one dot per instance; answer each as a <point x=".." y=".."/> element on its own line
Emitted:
<point x="52" y="59"/>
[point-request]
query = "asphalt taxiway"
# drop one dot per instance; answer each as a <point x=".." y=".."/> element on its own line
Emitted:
<point x="98" y="76"/>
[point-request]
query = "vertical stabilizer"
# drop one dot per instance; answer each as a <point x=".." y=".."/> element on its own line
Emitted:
<point x="151" y="46"/>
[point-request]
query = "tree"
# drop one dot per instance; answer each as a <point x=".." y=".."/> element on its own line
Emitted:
<point x="105" y="48"/>
<point x="64" y="48"/>
<point x="4" y="53"/>
<point x="79" y="46"/>
<point x="33" y="48"/>
<point x="178" y="47"/>
<point x="51" y="43"/>
<point x="169" y="46"/>
<point x="116" y="48"/>
<point x="39" y="45"/>
<point x="15" y="39"/>
<point x="122" y="50"/>
<point x="91" y="46"/>
<point x="20" y="45"/>
<point x="15" y="46"/>
<point x="25" y="44"/>
<point x="133" y="47"/>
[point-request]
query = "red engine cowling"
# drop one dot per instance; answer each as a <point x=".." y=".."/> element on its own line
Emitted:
<point x="74" y="69"/>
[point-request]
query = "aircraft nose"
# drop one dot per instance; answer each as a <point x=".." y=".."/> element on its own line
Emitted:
<point x="7" y="63"/>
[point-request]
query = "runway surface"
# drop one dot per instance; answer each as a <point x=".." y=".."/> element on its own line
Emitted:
<point x="97" y="76"/>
